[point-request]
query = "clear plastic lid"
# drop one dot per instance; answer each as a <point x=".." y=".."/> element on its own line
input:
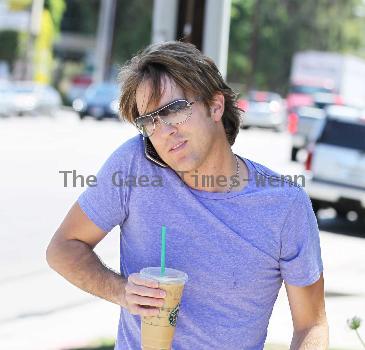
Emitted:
<point x="171" y="276"/>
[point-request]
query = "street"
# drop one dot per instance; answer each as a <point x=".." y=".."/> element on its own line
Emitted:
<point x="41" y="311"/>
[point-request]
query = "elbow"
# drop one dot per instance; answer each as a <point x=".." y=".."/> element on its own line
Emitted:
<point x="50" y="255"/>
<point x="62" y="254"/>
<point x="55" y="253"/>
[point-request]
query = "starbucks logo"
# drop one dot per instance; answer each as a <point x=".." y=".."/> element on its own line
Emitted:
<point x="173" y="315"/>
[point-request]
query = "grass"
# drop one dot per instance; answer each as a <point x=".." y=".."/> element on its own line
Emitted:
<point x="101" y="344"/>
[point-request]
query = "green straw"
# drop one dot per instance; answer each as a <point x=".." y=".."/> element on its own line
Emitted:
<point x="163" y="250"/>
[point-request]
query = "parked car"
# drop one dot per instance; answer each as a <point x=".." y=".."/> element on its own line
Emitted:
<point x="336" y="165"/>
<point x="4" y="71"/>
<point x="303" y="124"/>
<point x="264" y="109"/>
<point x="99" y="101"/>
<point x="343" y="112"/>
<point x="5" y="103"/>
<point x="302" y="92"/>
<point x="33" y="98"/>
<point x="77" y="88"/>
<point x="324" y="99"/>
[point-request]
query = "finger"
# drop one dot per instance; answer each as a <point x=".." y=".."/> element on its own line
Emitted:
<point x="137" y="279"/>
<point x="136" y="299"/>
<point x="147" y="311"/>
<point x="144" y="291"/>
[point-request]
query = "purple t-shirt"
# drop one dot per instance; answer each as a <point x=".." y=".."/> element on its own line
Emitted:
<point x="237" y="248"/>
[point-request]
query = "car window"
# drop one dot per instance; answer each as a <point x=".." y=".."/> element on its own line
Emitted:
<point x="310" y="112"/>
<point x="304" y="89"/>
<point x="24" y="90"/>
<point x="101" y="90"/>
<point x="340" y="133"/>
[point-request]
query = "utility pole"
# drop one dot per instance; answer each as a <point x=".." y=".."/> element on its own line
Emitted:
<point x="216" y="32"/>
<point x="104" y="39"/>
<point x="164" y="21"/>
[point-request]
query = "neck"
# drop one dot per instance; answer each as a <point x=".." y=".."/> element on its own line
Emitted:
<point x="214" y="174"/>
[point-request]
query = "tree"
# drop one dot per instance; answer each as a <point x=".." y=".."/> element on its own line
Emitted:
<point x="132" y="31"/>
<point x="8" y="40"/>
<point x="265" y="35"/>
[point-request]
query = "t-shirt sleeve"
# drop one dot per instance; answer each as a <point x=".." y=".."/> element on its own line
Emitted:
<point x="300" y="254"/>
<point x="105" y="203"/>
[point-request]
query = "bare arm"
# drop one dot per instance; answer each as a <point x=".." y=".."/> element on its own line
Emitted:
<point x="71" y="254"/>
<point x="309" y="317"/>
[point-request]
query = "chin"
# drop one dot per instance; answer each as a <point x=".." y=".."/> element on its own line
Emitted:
<point x="183" y="164"/>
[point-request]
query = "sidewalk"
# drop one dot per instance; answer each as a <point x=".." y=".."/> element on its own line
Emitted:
<point x="343" y="259"/>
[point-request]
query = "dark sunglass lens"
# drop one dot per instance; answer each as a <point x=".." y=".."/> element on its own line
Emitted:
<point x="176" y="113"/>
<point x="178" y="106"/>
<point x="172" y="108"/>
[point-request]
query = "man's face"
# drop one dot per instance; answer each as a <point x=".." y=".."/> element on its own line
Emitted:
<point x="197" y="135"/>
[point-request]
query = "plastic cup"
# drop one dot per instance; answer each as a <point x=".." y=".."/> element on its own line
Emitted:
<point x="157" y="332"/>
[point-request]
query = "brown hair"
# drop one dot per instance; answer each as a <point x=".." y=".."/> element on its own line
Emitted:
<point x="188" y="68"/>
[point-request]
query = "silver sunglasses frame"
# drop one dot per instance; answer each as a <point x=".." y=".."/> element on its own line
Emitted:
<point x="155" y="115"/>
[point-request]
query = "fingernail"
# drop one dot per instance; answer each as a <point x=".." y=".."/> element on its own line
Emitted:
<point x="163" y="294"/>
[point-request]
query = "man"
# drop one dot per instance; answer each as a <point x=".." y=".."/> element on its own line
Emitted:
<point x="236" y="240"/>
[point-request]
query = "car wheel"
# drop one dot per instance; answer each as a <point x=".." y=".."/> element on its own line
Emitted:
<point x="341" y="213"/>
<point x="294" y="153"/>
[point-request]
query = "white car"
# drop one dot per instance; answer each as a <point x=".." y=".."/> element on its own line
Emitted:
<point x="343" y="111"/>
<point x="264" y="109"/>
<point x="336" y="165"/>
<point x="33" y="98"/>
<point x="5" y="100"/>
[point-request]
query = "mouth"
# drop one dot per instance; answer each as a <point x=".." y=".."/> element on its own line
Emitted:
<point x="178" y="147"/>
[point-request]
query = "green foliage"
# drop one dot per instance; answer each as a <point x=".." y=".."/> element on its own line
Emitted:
<point x="260" y="56"/>
<point x="354" y="324"/>
<point x="8" y="40"/>
<point x="81" y="16"/>
<point x="132" y="30"/>
<point x="133" y="25"/>
<point x="239" y="64"/>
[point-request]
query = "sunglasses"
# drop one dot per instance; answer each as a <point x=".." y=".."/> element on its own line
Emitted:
<point x="174" y="113"/>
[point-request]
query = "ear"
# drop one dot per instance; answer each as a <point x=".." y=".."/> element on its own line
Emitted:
<point x="217" y="107"/>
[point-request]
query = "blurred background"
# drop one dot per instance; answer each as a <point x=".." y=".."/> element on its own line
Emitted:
<point x="298" y="68"/>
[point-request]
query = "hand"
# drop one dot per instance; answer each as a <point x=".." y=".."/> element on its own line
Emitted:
<point x="142" y="296"/>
